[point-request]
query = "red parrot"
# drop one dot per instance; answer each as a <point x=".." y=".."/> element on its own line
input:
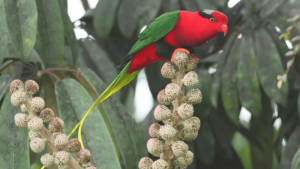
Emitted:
<point x="166" y="35"/>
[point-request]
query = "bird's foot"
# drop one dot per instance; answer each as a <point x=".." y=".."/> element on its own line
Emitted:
<point x="192" y="55"/>
<point x="177" y="50"/>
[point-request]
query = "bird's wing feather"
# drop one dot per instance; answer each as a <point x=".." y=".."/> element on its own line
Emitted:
<point x="161" y="26"/>
<point x="121" y="80"/>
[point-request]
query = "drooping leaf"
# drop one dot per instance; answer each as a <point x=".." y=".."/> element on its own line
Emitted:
<point x="217" y="76"/>
<point x="247" y="80"/>
<point x="69" y="31"/>
<point x="4" y="83"/>
<point x="190" y="5"/>
<point x="127" y="17"/>
<point x="14" y="149"/>
<point x="288" y="125"/>
<point x="3" y="31"/>
<point x="259" y="127"/>
<point x="229" y="89"/>
<point x="293" y="144"/>
<point x="21" y="19"/>
<point x="148" y="10"/>
<point x="51" y="32"/>
<point x="104" y="18"/>
<point x="299" y="104"/>
<point x="242" y="147"/>
<point x="269" y="67"/>
<point x="128" y="134"/>
<point x="205" y="144"/>
<point x="296" y="160"/>
<point x="73" y="101"/>
<point x="98" y="60"/>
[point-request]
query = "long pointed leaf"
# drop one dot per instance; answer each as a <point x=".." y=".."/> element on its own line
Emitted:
<point x="269" y="67"/>
<point x="127" y="17"/>
<point x="69" y="31"/>
<point x="247" y="79"/>
<point x="21" y="18"/>
<point x="14" y="149"/>
<point x="98" y="60"/>
<point x="4" y="83"/>
<point x="105" y="14"/>
<point x="229" y="89"/>
<point x="51" y="32"/>
<point x="290" y="149"/>
<point x="3" y="31"/>
<point x="73" y="99"/>
<point x="127" y="132"/>
<point x="299" y="104"/>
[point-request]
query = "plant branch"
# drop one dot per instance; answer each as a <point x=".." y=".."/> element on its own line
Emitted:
<point x="85" y="4"/>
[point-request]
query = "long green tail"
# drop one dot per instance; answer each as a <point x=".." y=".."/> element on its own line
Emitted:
<point x="122" y="79"/>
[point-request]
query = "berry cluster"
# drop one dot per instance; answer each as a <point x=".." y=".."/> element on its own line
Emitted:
<point x="34" y="116"/>
<point x="167" y="140"/>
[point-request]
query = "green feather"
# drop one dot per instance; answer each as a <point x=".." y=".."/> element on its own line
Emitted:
<point x="155" y="31"/>
<point x="161" y="26"/>
<point x="122" y="79"/>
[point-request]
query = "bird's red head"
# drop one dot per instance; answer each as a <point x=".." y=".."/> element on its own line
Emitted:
<point x="196" y="28"/>
<point x="215" y="20"/>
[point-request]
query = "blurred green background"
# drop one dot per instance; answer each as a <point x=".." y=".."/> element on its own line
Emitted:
<point x="246" y="120"/>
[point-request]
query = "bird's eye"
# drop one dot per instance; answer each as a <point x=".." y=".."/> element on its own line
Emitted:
<point x="212" y="20"/>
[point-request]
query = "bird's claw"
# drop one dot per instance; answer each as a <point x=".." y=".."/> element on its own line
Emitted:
<point x="178" y="50"/>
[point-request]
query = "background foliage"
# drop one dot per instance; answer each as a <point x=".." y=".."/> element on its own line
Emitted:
<point x="37" y="41"/>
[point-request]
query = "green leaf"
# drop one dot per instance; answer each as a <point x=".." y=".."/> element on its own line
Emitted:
<point x="242" y="147"/>
<point x="269" y="67"/>
<point x="148" y="10"/>
<point x="4" y="83"/>
<point x="205" y="144"/>
<point x="220" y="65"/>
<point x="293" y="144"/>
<point x="69" y="31"/>
<point x="14" y="149"/>
<point x="127" y="133"/>
<point x="296" y="160"/>
<point x="127" y="17"/>
<point x="73" y="101"/>
<point x="51" y="32"/>
<point x="299" y="104"/>
<point x="229" y="89"/>
<point x="98" y="60"/>
<point x="104" y="17"/>
<point x="247" y="80"/>
<point x="21" y="19"/>
<point x="4" y="32"/>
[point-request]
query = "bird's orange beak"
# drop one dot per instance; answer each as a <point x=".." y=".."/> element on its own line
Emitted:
<point x="224" y="29"/>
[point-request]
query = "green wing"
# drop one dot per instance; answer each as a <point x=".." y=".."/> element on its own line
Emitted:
<point x="161" y="26"/>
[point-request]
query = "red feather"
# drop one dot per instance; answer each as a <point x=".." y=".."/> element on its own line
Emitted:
<point x="143" y="58"/>
<point x="191" y="30"/>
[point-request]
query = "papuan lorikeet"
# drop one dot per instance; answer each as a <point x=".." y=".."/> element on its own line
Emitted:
<point x="166" y="35"/>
